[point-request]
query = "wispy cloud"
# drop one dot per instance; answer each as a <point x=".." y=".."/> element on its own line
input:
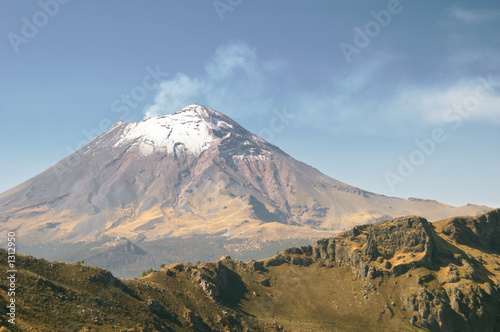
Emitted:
<point x="469" y="99"/>
<point x="174" y="94"/>
<point x="365" y="100"/>
<point x="408" y="106"/>
<point x="234" y="77"/>
<point x="470" y="57"/>
<point x="470" y="16"/>
<point x="343" y="103"/>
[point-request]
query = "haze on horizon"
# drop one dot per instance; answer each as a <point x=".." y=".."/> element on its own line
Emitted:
<point x="369" y="93"/>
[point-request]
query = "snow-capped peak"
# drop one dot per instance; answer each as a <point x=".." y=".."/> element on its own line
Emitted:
<point x="195" y="127"/>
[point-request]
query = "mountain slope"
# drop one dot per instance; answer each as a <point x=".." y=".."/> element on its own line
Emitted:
<point x="193" y="172"/>
<point x="401" y="275"/>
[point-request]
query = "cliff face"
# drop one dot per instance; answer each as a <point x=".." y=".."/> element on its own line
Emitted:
<point x="480" y="232"/>
<point x="404" y="274"/>
<point x="457" y="263"/>
<point x="381" y="248"/>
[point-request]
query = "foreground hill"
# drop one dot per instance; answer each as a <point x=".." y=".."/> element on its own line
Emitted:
<point x="195" y="175"/>
<point x="401" y="275"/>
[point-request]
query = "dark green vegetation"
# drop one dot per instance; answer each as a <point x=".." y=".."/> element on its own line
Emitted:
<point x="401" y="275"/>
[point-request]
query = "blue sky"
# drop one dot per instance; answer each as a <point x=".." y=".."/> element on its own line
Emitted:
<point x="400" y="98"/>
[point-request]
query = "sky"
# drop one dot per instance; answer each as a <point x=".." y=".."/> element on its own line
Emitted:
<point x="400" y="98"/>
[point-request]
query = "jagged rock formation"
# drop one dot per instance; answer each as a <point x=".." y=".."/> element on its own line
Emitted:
<point x="482" y="232"/>
<point x="457" y="293"/>
<point x="381" y="248"/>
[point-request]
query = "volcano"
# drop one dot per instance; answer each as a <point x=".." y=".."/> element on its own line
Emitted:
<point x="193" y="173"/>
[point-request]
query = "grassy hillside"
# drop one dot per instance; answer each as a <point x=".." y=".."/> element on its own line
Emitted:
<point x="401" y="275"/>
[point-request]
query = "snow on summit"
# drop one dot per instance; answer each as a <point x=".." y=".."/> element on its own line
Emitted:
<point x="193" y="127"/>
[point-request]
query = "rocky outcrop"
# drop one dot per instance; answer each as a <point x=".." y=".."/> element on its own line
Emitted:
<point x="196" y="322"/>
<point x="482" y="232"/>
<point x="220" y="282"/>
<point x="371" y="250"/>
<point x="159" y="310"/>
<point x="464" y="307"/>
<point x="212" y="280"/>
<point x="461" y="298"/>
